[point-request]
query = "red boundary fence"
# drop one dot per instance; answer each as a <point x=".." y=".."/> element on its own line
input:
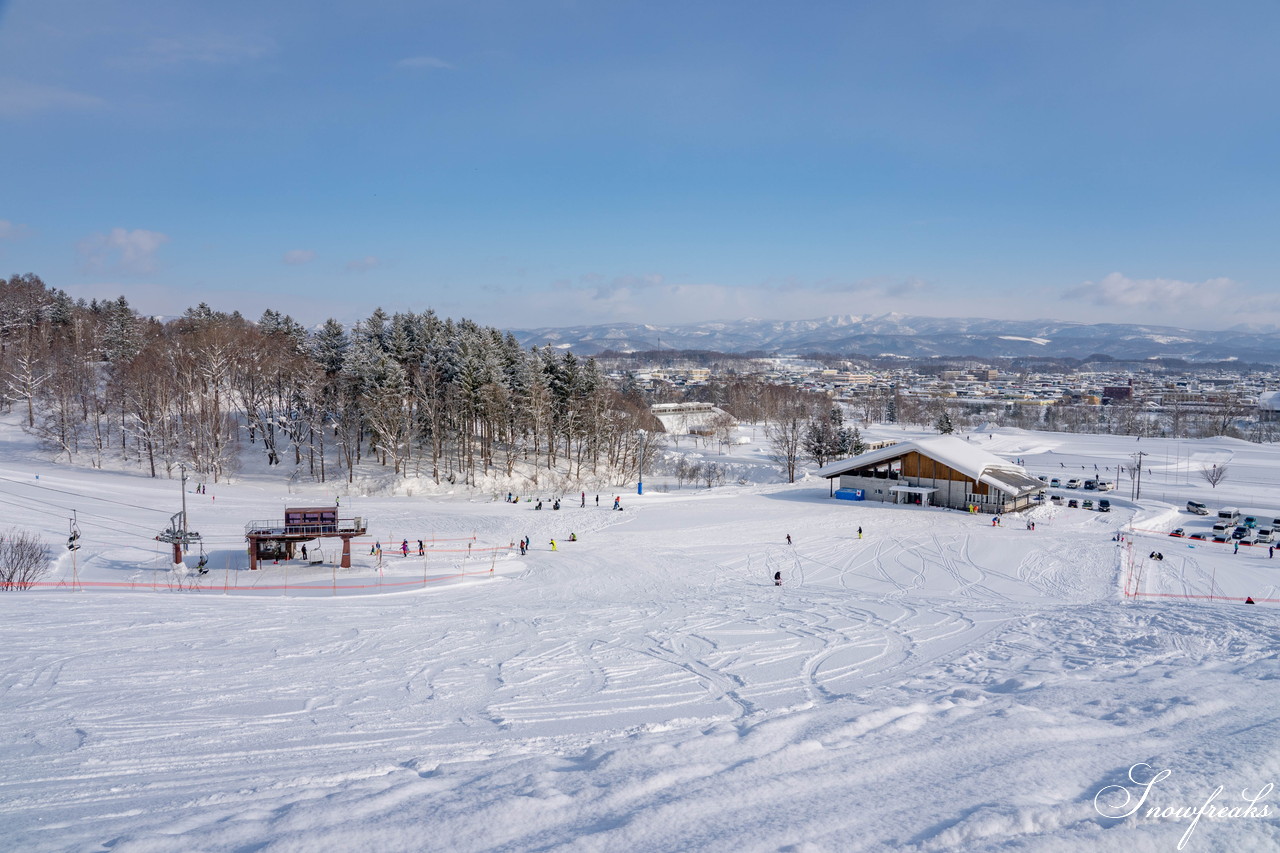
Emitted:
<point x="193" y="583"/>
<point x="1131" y="584"/>
<point x="172" y="586"/>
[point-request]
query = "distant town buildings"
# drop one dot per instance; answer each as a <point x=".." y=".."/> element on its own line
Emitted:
<point x="1117" y="397"/>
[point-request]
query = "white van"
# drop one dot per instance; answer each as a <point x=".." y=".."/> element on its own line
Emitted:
<point x="1229" y="513"/>
<point x="1197" y="508"/>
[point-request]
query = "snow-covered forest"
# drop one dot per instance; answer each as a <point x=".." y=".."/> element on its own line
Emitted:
<point x="420" y="395"/>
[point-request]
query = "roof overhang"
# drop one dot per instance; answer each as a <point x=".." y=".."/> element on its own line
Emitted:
<point x="915" y="490"/>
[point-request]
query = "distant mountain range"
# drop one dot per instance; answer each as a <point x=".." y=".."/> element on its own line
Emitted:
<point x="922" y="337"/>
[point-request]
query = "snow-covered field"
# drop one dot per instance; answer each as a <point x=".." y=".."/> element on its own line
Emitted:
<point x="937" y="684"/>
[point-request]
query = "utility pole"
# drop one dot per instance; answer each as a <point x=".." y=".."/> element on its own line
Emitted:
<point x="1137" y="483"/>
<point x="644" y="445"/>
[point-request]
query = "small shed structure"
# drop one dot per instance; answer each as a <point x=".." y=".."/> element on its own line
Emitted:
<point x="942" y="471"/>
<point x="681" y="418"/>
<point x="1269" y="406"/>
<point x="276" y="539"/>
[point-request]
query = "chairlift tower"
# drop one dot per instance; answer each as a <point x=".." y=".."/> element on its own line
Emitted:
<point x="177" y="534"/>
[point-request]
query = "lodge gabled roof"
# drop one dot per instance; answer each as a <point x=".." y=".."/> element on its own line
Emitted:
<point x="980" y="465"/>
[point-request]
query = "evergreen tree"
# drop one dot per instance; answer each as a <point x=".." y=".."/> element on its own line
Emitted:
<point x="329" y="346"/>
<point x="122" y="336"/>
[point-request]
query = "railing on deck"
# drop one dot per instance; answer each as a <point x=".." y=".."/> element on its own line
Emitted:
<point x="278" y="527"/>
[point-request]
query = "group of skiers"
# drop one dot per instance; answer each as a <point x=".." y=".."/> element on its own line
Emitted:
<point x="525" y="545"/>
<point x="777" y="576"/>
<point x="556" y="502"/>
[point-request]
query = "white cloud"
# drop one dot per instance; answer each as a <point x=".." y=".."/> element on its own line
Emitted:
<point x="363" y="264"/>
<point x="1119" y="291"/>
<point x="654" y="298"/>
<point x="299" y="256"/>
<point x="11" y="231"/>
<point x="120" y="250"/>
<point x="211" y="49"/>
<point x="423" y="62"/>
<point x="19" y="98"/>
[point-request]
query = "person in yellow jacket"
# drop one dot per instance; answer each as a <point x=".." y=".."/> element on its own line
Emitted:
<point x="553" y="544"/>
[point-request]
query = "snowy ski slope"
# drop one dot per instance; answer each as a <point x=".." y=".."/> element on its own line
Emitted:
<point x="939" y="684"/>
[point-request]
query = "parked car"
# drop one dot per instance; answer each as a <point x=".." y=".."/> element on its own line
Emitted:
<point x="1197" y="508"/>
<point x="1073" y="483"/>
<point x="1177" y="531"/>
<point x="1055" y="499"/>
<point x="1104" y="505"/>
<point x="1055" y="482"/>
<point x="1088" y="504"/>
<point x="1250" y="522"/>
<point x="1275" y="523"/>
<point x="1220" y="537"/>
<point x="1090" y="485"/>
<point x="1264" y="535"/>
<point x="1042" y="478"/>
<point x="1229" y="513"/>
<point x="1199" y="536"/>
<point x="1104" y="486"/>
<point x="1073" y="504"/>
<point x="1240" y="532"/>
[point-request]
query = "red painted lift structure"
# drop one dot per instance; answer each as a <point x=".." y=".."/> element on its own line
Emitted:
<point x="275" y="539"/>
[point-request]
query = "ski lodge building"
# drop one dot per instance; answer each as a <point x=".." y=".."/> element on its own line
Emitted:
<point x="942" y="471"/>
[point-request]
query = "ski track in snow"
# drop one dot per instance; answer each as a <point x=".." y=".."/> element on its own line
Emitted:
<point x="936" y="685"/>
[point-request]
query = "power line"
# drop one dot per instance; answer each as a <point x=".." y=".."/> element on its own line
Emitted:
<point x="32" y="485"/>
<point x="66" y="511"/>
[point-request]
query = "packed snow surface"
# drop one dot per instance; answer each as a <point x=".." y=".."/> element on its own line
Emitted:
<point x="937" y="683"/>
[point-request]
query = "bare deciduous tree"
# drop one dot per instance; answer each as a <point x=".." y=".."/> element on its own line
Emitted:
<point x="786" y="437"/>
<point x="23" y="560"/>
<point x="1213" y="474"/>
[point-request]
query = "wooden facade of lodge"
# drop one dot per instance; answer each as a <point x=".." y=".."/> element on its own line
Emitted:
<point x="278" y="539"/>
<point x="943" y="471"/>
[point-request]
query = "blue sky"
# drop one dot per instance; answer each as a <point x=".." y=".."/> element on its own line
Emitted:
<point x="554" y="163"/>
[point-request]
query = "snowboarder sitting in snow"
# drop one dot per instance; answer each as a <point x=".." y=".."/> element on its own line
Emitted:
<point x="777" y="578"/>
<point x="539" y="506"/>
<point x="573" y="537"/>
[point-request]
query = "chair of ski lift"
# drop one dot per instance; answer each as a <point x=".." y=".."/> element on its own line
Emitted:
<point x="315" y="555"/>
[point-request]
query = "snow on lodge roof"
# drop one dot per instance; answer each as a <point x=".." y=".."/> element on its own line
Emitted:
<point x="963" y="456"/>
<point x="1269" y="400"/>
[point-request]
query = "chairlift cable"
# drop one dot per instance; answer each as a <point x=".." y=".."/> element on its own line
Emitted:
<point x="34" y="485"/>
